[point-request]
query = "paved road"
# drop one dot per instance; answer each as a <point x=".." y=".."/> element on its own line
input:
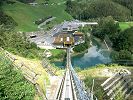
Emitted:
<point x="42" y="39"/>
<point x="44" y="23"/>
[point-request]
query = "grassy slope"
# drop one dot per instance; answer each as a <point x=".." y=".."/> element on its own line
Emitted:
<point x="18" y="79"/>
<point x="100" y="74"/>
<point x="34" y="65"/>
<point x="57" y="55"/>
<point x="25" y="14"/>
<point x="99" y="70"/>
<point x="37" y="67"/>
<point x="56" y="52"/>
<point x="125" y="25"/>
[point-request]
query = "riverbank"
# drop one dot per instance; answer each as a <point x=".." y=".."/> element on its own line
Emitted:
<point x="78" y="53"/>
<point x="99" y="43"/>
<point x="93" y="41"/>
<point x="57" y="52"/>
<point x="92" y="57"/>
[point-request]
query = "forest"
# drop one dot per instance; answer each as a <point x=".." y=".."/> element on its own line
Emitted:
<point x="120" y="10"/>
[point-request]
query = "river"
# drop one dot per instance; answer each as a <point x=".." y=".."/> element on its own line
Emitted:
<point x="92" y="57"/>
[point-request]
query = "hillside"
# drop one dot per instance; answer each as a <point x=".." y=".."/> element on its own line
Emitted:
<point x="95" y="9"/>
<point x="100" y="73"/>
<point x="25" y="14"/>
<point x="13" y="85"/>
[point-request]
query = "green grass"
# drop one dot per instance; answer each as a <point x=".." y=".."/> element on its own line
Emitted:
<point x="125" y="25"/>
<point x="57" y="55"/>
<point x="99" y="75"/>
<point x="25" y="14"/>
<point x="56" y="52"/>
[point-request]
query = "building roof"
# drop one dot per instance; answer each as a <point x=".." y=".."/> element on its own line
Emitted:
<point x="78" y="33"/>
<point x="64" y="39"/>
<point x="71" y="25"/>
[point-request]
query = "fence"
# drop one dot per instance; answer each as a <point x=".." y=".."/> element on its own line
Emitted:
<point x="48" y="67"/>
<point x="29" y="74"/>
<point x="120" y="82"/>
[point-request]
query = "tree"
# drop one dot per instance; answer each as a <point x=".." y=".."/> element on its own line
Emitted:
<point x="106" y="26"/>
<point x="126" y="3"/>
<point x="114" y="56"/>
<point x="89" y="9"/>
<point x="6" y="21"/>
<point x="124" y="40"/>
<point x="125" y="55"/>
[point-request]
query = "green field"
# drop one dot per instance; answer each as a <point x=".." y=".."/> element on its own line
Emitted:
<point x="56" y="52"/>
<point x="125" y="25"/>
<point x="25" y="14"/>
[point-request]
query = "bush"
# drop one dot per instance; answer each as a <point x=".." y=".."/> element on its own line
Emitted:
<point x="84" y="46"/>
<point x="17" y="43"/>
<point x="98" y="91"/>
<point x="7" y="21"/>
<point x="124" y="40"/>
<point x="13" y="85"/>
<point x="124" y="55"/>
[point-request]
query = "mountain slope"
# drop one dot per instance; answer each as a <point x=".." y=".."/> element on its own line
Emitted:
<point x="90" y="9"/>
<point x="25" y="14"/>
<point x="13" y="85"/>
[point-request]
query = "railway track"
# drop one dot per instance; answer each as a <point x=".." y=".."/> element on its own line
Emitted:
<point x="71" y="87"/>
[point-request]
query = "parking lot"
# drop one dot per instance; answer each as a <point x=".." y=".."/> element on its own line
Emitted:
<point x="42" y="39"/>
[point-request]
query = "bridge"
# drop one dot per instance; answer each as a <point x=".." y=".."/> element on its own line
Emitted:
<point x="71" y="87"/>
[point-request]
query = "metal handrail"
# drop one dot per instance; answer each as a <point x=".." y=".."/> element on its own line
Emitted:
<point x="61" y="88"/>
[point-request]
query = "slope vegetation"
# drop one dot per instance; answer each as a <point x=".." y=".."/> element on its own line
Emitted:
<point x="90" y="9"/>
<point x="25" y="15"/>
<point x="13" y="85"/>
<point x="100" y="73"/>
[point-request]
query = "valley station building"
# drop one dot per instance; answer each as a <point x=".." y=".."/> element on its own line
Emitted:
<point x="69" y="36"/>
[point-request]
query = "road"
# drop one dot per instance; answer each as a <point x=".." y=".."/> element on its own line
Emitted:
<point x="45" y="39"/>
<point x="44" y="23"/>
<point x="42" y="39"/>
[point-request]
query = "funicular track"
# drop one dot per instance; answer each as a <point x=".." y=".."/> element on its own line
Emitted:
<point x="71" y="87"/>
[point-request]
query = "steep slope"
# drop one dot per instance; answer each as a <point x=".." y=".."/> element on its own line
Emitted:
<point x="13" y="85"/>
<point x="25" y="15"/>
<point x="89" y="9"/>
<point x="99" y="74"/>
